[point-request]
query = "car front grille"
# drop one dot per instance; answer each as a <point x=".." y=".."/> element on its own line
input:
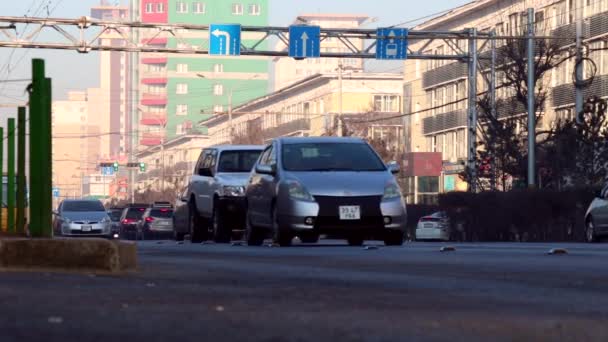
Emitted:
<point x="329" y="214"/>
<point x="80" y="232"/>
<point x="85" y="222"/>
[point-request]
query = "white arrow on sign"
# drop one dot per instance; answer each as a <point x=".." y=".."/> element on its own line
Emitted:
<point x="391" y="36"/>
<point x="219" y="33"/>
<point x="304" y="38"/>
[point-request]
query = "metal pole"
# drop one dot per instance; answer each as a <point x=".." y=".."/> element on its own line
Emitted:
<point x="3" y="227"/>
<point x="531" y="103"/>
<point x="493" y="106"/>
<point x="21" y="181"/>
<point x="340" y="103"/>
<point x="579" y="57"/>
<point x="231" y="129"/>
<point x="10" y="173"/>
<point x="134" y="91"/>
<point x="472" y="122"/>
<point x="162" y="163"/>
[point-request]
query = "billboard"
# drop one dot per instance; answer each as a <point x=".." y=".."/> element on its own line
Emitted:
<point x="422" y="164"/>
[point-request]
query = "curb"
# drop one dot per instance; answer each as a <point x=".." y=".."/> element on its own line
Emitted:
<point x="89" y="255"/>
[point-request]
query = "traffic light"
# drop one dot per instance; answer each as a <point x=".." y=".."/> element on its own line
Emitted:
<point x="115" y="165"/>
<point x="142" y="167"/>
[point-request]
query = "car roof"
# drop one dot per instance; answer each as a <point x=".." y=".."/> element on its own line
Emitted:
<point x="317" y="140"/>
<point x="80" y="200"/>
<point x="222" y="148"/>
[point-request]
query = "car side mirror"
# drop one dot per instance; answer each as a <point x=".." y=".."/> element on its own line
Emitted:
<point x="55" y="212"/>
<point x="205" y="172"/>
<point x="394" y="167"/>
<point x="266" y="169"/>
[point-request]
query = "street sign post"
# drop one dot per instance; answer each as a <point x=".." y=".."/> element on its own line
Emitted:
<point x="304" y="41"/>
<point x="225" y="40"/>
<point x="392" y="43"/>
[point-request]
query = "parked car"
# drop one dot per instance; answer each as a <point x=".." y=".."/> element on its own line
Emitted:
<point x="131" y="216"/>
<point x="434" y="227"/>
<point x="217" y="191"/>
<point x="310" y="186"/>
<point x="82" y="218"/>
<point x="156" y="222"/>
<point x="181" y="216"/>
<point x="596" y="218"/>
<point x="115" y="214"/>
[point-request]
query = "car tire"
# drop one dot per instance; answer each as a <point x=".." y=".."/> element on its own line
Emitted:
<point x="590" y="235"/>
<point x="280" y="236"/>
<point x="253" y="235"/>
<point x="393" y="238"/>
<point x="355" y="241"/>
<point x="221" y="233"/>
<point x="309" y="238"/>
<point x="198" y="230"/>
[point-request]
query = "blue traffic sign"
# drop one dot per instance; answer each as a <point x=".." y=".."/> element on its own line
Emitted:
<point x="55" y="192"/>
<point x="304" y="41"/>
<point x="225" y="40"/>
<point x="392" y="43"/>
<point x="107" y="170"/>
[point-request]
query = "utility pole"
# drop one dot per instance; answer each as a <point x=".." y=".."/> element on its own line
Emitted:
<point x="230" y="127"/>
<point x="531" y="103"/>
<point x="10" y="173"/>
<point x="579" y="58"/>
<point x="134" y="92"/>
<point x="472" y="120"/>
<point x="493" y="105"/>
<point x="21" y="181"/>
<point x="340" y="103"/>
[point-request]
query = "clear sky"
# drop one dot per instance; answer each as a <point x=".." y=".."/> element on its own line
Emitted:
<point x="71" y="70"/>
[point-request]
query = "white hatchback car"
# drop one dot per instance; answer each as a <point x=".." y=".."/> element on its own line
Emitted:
<point x="434" y="227"/>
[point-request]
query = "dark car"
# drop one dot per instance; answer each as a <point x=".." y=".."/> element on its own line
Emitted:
<point x="157" y="222"/>
<point x="181" y="216"/>
<point x="115" y="214"/>
<point x="131" y="216"/>
<point x="596" y="218"/>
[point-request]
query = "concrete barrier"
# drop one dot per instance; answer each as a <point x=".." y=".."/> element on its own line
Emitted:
<point x="68" y="254"/>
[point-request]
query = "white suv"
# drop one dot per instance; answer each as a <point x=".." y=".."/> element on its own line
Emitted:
<point x="216" y="191"/>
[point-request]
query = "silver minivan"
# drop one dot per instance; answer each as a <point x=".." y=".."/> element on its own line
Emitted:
<point x="306" y="187"/>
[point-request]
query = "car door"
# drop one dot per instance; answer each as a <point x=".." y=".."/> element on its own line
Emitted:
<point x="196" y="181"/>
<point x="57" y="223"/>
<point x="268" y="187"/>
<point x="207" y="183"/>
<point x="254" y="189"/>
<point x="600" y="212"/>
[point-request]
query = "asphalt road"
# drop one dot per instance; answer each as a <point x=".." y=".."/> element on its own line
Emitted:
<point x="325" y="292"/>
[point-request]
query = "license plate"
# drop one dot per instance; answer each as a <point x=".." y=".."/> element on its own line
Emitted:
<point x="352" y="212"/>
<point x="429" y="225"/>
<point x="86" y="228"/>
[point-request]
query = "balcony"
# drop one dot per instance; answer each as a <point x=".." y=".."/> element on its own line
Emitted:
<point x="563" y="95"/>
<point x="444" y="121"/>
<point x="155" y="41"/>
<point x="288" y="128"/>
<point x="150" y="79"/>
<point x="154" y="60"/>
<point x="153" y="119"/>
<point x="151" y="139"/>
<point x="151" y="99"/>
<point x="444" y="74"/>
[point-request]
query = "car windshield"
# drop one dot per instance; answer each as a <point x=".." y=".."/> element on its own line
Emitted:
<point x="115" y="215"/>
<point x="82" y="206"/>
<point x="135" y="213"/>
<point x="161" y="213"/>
<point x="238" y="161"/>
<point x="330" y="157"/>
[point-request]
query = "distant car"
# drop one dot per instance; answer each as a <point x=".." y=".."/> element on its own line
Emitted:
<point x="306" y="187"/>
<point x="181" y="216"/>
<point x="156" y="222"/>
<point x="434" y="227"/>
<point x="129" y="219"/>
<point x="596" y="218"/>
<point x="115" y="214"/>
<point x="217" y="191"/>
<point x="82" y="218"/>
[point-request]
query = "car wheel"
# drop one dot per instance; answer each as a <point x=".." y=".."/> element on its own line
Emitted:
<point x="590" y="231"/>
<point x="393" y="238"/>
<point x="253" y="235"/>
<point x="280" y="236"/>
<point x="198" y="231"/>
<point x="221" y="234"/>
<point x="309" y="238"/>
<point x="355" y="241"/>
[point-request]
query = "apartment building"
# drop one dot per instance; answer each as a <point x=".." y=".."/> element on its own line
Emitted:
<point x="441" y="84"/>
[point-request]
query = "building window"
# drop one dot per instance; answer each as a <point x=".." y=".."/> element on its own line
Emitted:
<point x="218" y="109"/>
<point x="149" y="8"/>
<point x="219" y="68"/>
<point x="218" y="89"/>
<point x="160" y="7"/>
<point x="182" y="109"/>
<point x="254" y="9"/>
<point x="181" y="7"/>
<point x="237" y="9"/>
<point x="182" y="68"/>
<point x="182" y="88"/>
<point x="198" y="7"/>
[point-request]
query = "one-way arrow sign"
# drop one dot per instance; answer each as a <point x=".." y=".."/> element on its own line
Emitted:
<point x="225" y="40"/>
<point x="304" y="41"/>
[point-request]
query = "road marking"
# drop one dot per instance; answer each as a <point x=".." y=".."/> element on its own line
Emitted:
<point x="447" y="249"/>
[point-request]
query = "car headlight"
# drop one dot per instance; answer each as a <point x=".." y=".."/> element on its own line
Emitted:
<point x="298" y="192"/>
<point x="233" y="191"/>
<point x="106" y="220"/>
<point x="391" y="191"/>
<point x="66" y="220"/>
